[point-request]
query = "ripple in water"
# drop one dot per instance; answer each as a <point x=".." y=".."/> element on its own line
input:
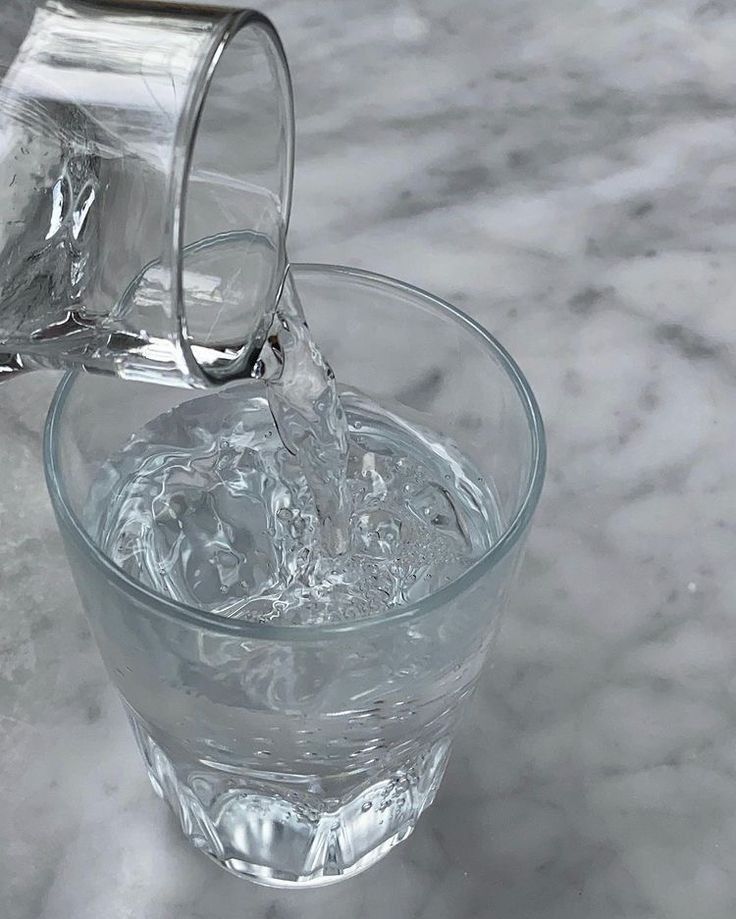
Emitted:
<point x="207" y="506"/>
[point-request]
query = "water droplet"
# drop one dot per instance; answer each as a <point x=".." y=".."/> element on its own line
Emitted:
<point x="357" y="425"/>
<point x="269" y="434"/>
<point x="366" y="807"/>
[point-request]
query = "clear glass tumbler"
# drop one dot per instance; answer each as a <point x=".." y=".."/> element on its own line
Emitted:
<point x="299" y="755"/>
<point x="129" y="131"/>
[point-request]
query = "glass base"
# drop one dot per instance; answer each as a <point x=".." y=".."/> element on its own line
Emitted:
<point x="269" y="878"/>
<point x="279" y="837"/>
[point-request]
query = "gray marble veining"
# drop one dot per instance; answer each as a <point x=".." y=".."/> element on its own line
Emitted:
<point x="566" y="173"/>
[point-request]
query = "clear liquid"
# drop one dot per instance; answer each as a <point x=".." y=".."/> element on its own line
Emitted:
<point x="309" y="417"/>
<point x="207" y="506"/>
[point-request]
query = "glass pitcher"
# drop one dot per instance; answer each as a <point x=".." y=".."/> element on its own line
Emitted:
<point x="132" y="134"/>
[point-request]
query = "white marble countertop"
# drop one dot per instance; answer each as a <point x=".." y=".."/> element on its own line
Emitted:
<point x="565" y="171"/>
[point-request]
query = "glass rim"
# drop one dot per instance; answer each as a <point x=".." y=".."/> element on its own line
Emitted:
<point x="231" y="23"/>
<point x="158" y="604"/>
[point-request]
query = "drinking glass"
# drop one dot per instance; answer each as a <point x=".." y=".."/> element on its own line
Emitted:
<point x="300" y="754"/>
<point x="129" y="130"/>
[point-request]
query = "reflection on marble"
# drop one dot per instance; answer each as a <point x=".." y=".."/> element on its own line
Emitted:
<point x="564" y="171"/>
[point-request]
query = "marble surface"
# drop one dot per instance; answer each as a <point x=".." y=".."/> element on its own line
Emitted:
<point x="565" y="171"/>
